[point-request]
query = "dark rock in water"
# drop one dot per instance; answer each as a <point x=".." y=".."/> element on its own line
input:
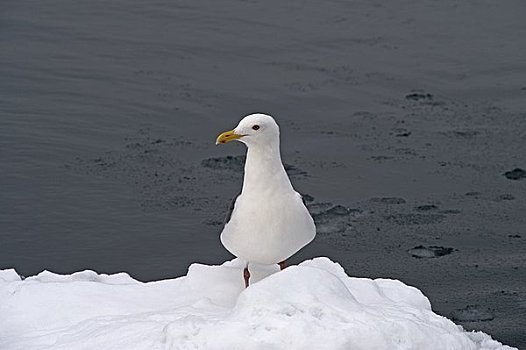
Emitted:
<point x="380" y="158"/>
<point x="388" y="200"/>
<point x="401" y="132"/>
<point x="426" y="207"/>
<point x="419" y="96"/>
<point x="505" y="197"/>
<point x="294" y="171"/>
<point x="515" y="174"/>
<point x="423" y="252"/>
<point x="472" y="313"/>
<point x="415" y="219"/>
<point x="404" y="134"/>
<point x="472" y="194"/>
<point x="514" y="236"/>
<point x="466" y="133"/>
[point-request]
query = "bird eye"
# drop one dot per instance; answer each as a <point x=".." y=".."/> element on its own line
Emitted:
<point x="255" y="127"/>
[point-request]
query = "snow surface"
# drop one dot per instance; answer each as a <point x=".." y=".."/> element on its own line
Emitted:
<point x="314" y="305"/>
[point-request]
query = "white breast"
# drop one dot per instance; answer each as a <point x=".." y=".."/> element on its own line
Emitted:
<point x="269" y="227"/>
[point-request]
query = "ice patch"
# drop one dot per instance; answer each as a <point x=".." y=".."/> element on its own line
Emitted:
<point x="87" y="275"/>
<point x="9" y="275"/>
<point x="423" y="252"/>
<point x="331" y="219"/>
<point x="472" y="313"/>
<point x="314" y="305"/>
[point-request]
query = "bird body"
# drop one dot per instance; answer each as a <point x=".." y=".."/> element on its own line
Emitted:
<point x="269" y="221"/>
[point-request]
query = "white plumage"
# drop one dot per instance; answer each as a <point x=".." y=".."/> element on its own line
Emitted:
<point x="269" y="221"/>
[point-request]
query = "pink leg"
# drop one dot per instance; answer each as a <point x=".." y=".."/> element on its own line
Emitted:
<point x="246" y="276"/>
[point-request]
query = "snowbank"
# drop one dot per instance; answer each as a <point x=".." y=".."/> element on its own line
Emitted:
<point x="311" y="306"/>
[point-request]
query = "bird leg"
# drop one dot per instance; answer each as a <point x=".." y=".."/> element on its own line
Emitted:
<point x="282" y="264"/>
<point x="246" y="276"/>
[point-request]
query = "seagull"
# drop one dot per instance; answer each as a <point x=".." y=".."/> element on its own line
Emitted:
<point x="268" y="221"/>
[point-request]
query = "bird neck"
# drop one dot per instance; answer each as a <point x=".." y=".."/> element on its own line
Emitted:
<point x="264" y="169"/>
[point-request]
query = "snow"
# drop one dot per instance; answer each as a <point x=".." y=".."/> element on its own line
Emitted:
<point x="314" y="305"/>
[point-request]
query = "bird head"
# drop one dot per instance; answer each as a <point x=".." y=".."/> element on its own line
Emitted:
<point x="253" y="129"/>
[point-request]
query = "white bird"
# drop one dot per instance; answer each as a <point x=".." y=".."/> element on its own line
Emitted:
<point x="268" y="222"/>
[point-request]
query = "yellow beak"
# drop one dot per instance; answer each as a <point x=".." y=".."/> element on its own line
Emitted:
<point x="228" y="136"/>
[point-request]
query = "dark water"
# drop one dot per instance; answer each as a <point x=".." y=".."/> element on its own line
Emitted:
<point x="409" y="113"/>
